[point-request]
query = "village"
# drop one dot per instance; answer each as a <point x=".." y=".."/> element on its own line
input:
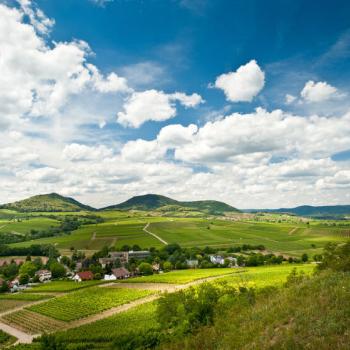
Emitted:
<point x="19" y="273"/>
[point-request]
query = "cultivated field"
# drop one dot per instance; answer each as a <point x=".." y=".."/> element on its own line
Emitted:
<point x="87" y="302"/>
<point x="61" y="286"/>
<point x="95" y="336"/>
<point x="281" y="234"/>
<point x="180" y="276"/>
<point x="32" y="322"/>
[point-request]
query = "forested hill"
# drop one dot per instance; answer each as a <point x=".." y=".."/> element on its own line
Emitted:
<point x="156" y="202"/>
<point x="51" y="202"/>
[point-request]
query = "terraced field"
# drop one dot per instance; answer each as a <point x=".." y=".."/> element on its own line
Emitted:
<point x="61" y="286"/>
<point x="6" y="305"/>
<point x="32" y="322"/>
<point x="87" y="302"/>
<point x="25" y="296"/>
<point x="95" y="337"/>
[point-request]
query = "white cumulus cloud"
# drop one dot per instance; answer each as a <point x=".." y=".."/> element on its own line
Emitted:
<point x="243" y="84"/>
<point x="153" y="105"/>
<point x="318" y="92"/>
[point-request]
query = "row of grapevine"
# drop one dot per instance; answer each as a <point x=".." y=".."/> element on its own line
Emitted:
<point x="32" y="322"/>
<point x="87" y="302"/>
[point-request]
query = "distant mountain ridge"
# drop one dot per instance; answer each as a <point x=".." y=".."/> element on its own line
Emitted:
<point x="156" y="202"/>
<point x="51" y="202"/>
<point x="309" y="210"/>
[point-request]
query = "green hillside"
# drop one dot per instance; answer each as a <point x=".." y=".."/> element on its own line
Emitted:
<point x="52" y="202"/>
<point x="157" y="202"/>
<point x="310" y="314"/>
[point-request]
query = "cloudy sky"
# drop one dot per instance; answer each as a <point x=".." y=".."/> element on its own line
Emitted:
<point x="241" y="101"/>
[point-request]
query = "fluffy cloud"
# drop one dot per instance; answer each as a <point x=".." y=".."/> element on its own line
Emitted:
<point x="42" y="76"/>
<point x="153" y="105"/>
<point x="318" y="92"/>
<point x="176" y="135"/>
<point x="243" y="84"/>
<point x="275" y="133"/>
<point x="142" y="151"/>
<point x="77" y="152"/>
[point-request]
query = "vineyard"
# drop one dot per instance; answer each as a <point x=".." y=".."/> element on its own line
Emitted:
<point x="100" y="334"/>
<point x="6" y="305"/>
<point x="32" y="322"/>
<point x="5" y="339"/>
<point x="181" y="276"/>
<point x="87" y="302"/>
<point x="62" y="286"/>
<point x="25" y="296"/>
<point x="263" y="276"/>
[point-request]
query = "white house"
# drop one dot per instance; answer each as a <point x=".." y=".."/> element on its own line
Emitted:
<point x="192" y="263"/>
<point x="44" y="275"/>
<point x="109" y="277"/>
<point x="217" y="259"/>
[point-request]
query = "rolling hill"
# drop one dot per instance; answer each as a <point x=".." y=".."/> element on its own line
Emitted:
<point x="51" y="202"/>
<point x="158" y="202"/>
<point x="316" y="211"/>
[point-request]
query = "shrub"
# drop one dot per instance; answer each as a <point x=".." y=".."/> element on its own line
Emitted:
<point x="336" y="257"/>
<point x="145" y="269"/>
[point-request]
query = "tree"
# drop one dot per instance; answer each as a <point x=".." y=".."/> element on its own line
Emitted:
<point x="28" y="268"/>
<point x="57" y="270"/>
<point x="23" y="278"/>
<point x="38" y="263"/>
<point x="167" y="266"/>
<point x="145" y="269"/>
<point x="336" y="257"/>
<point x="304" y="257"/>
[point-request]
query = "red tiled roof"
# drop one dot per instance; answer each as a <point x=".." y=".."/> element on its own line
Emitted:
<point x="120" y="272"/>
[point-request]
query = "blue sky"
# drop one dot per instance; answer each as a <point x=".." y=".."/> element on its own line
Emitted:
<point x="240" y="101"/>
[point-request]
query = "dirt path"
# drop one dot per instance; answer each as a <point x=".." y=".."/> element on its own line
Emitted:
<point x="3" y="226"/>
<point x="293" y="230"/>
<point x="22" y="337"/>
<point x="154" y="235"/>
<point x="160" y="287"/>
<point x="111" y="312"/>
<point x="113" y="243"/>
<point x="93" y="236"/>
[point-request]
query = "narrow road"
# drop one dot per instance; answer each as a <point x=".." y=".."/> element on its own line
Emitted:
<point x="160" y="287"/>
<point x="22" y="337"/>
<point x="154" y="235"/>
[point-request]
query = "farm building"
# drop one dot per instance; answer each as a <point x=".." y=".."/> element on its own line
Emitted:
<point x="122" y="256"/>
<point x="140" y="254"/>
<point x="83" y="276"/>
<point x="44" y="275"/>
<point x="217" y="259"/>
<point x="110" y="277"/>
<point x="121" y="273"/>
<point x="192" y="263"/>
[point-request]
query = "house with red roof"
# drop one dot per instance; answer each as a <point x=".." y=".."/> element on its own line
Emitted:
<point x="83" y="276"/>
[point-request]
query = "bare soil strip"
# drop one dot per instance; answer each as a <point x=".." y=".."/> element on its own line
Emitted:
<point x="154" y="235"/>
